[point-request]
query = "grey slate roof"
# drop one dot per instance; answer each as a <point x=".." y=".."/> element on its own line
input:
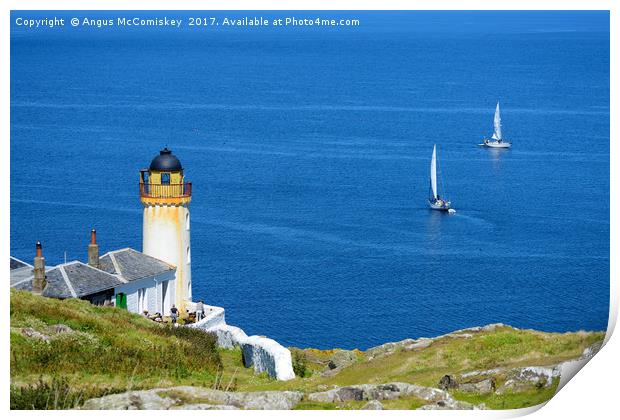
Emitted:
<point x="72" y="279"/>
<point x="132" y="265"/>
<point x="20" y="271"/>
<point x="15" y="263"/>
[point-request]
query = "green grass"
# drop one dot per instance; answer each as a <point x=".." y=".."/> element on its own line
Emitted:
<point x="504" y="348"/>
<point x="112" y="350"/>
<point x="109" y="348"/>
<point x="508" y="399"/>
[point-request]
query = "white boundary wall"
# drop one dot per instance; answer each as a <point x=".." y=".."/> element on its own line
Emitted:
<point x="265" y="354"/>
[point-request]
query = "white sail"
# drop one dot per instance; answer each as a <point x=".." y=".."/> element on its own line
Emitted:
<point x="497" y="125"/>
<point x="434" y="173"/>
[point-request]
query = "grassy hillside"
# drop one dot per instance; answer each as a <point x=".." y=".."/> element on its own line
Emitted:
<point x="109" y="350"/>
<point x="503" y="349"/>
<point x="106" y="350"/>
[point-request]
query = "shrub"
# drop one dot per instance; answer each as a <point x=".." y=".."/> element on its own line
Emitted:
<point x="300" y="361"/>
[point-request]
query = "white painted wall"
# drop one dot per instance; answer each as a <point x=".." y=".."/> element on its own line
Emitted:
<point x="228" y="336"/>
<point x="153" y="292"/>
<point x="267" y="355"/>
<point x="262" y="353"/>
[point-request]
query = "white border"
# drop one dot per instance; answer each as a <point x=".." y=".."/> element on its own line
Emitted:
<point x="591" y="395"/>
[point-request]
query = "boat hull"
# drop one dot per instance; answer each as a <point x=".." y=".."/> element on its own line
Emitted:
<point x="443" y="206"/>
<point x="494" y="144"/>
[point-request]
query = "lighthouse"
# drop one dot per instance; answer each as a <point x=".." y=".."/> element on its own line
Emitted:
<point x="165" y="197"/>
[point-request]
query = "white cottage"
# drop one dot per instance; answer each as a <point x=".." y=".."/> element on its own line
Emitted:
<point x="124" y="278"/>
<point x="145" y="281"/>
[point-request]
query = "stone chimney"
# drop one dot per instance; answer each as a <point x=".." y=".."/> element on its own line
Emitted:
<point x="93" y="250"/>
<point x="38" y="284"/>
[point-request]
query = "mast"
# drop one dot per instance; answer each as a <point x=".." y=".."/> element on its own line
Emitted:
<point x="434" y="173"/>
<point x="497" y="124"/>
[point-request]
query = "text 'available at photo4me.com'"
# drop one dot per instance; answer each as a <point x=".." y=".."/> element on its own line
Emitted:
<point x="198" y="22"/>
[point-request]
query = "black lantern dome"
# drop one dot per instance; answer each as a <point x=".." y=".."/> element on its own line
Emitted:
<point x="166" y="161"/>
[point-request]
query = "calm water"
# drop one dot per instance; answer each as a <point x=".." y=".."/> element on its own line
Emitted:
<point x="309" y="153"/>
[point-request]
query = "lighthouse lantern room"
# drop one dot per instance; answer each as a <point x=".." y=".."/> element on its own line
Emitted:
<point x="166" y="196"/>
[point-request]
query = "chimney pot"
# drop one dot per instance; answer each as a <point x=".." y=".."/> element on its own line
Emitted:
<point x="93" y="250"/>
<point x="39" y="282"/>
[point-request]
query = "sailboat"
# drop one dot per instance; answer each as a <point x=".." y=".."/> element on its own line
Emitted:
<point x="434" y="200"/>
<point x="497" y="141"/>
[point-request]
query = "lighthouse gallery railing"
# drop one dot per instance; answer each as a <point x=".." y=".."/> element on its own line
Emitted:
<point x="166" y="190"/>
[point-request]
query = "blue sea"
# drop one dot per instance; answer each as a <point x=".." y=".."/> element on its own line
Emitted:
<point x="309" y="151"/>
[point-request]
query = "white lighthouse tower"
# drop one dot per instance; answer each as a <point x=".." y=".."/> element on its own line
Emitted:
<point x="166" y="196"/>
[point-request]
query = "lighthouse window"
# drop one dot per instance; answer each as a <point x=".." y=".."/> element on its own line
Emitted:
<point x="189" y="256"/>
<point x="165" y="178"/>
<point x="187" y="221"/>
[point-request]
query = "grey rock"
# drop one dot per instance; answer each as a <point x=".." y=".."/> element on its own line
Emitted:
<point x="132" y="400"/>
<point x="204" y="407"/>
<point x="266" y="400"/>
<point x="463" y="335"/>
<point x="350" y="393"/>
<point x="481" y="373"/>
<point x="450" y="404"/>
<point x="167" y="398"/>
<point x="31" y="333"/>
<point x="481" y="387"/>
<point x="390" y="348"/>
<point x="342" y="359"/>
<point x="324" y="396"/>
<point x="373" y="405"/>
<point x="419" y="344"/>
<point x="61" y="328"/>
<point x="447" y="382"/>
<point x="521" y="379"/>
<point x="493" y="327"/>
<point x="388" y="391"/>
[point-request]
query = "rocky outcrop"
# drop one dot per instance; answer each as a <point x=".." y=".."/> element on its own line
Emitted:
<point x="373" y="405"/>
<point x="452" y="405"/>
<point x="487" y="372"/>
<point x="203" y="407"/>
<point x="481" y="387"/>
<point x="32" y="333"/>
<point x="186" y="397"/>
<point x="61" y="328"/>
<point x="407" y="344"/>
<point x="390" y="391"/>
<point x="521" y="379"/>
<point x="447" y="382"/>
<point x="338" y="361"/>
<point x="410" y="344"/>
<point x="341" y="359"/>
<point x="438" y="399"/>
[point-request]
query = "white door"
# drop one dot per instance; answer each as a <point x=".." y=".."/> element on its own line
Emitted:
<point x="141" y="300"/>
<point x="165" y="298"/>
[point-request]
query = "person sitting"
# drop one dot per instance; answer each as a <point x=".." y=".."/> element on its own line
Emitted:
<point x="200" y="310"/>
